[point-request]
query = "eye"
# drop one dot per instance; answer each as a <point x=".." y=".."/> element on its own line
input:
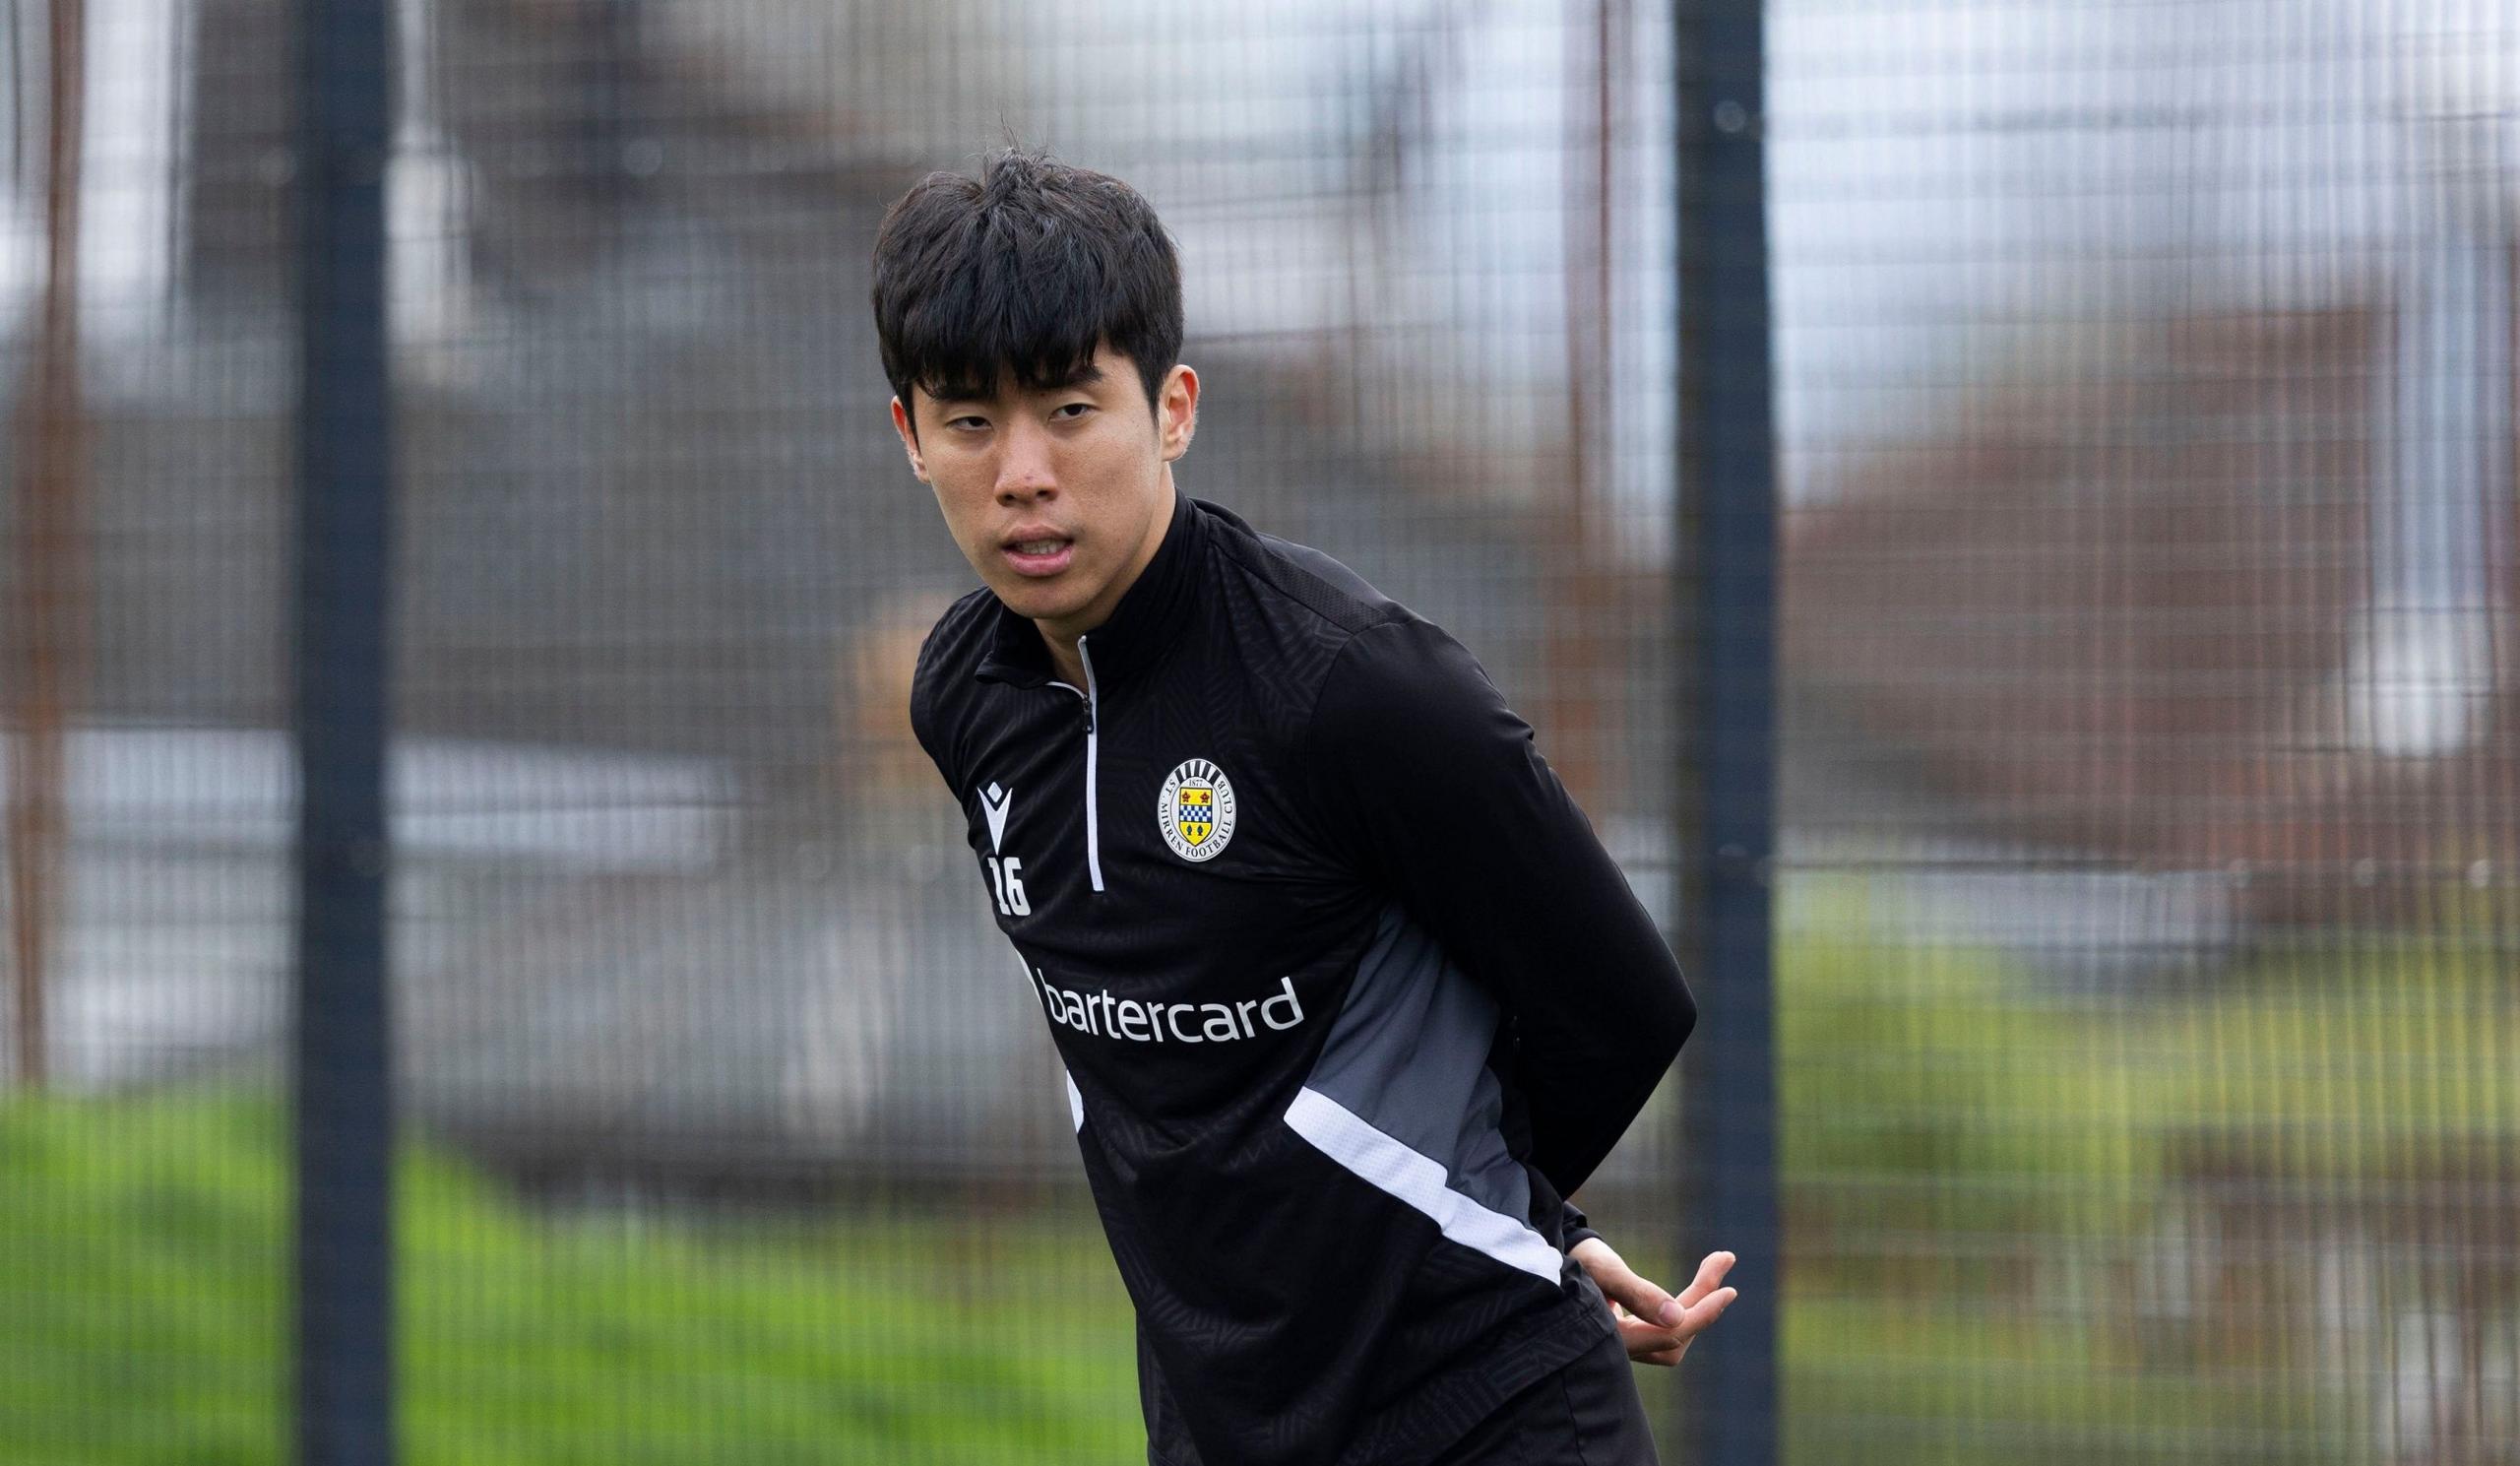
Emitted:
<point x="1073" y="410"/>
<point x="967" y="422"/>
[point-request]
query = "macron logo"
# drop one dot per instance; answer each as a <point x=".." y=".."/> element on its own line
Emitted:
<point x="995" y="803"/>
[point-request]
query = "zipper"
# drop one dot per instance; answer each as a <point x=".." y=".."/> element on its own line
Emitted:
<point x="1093" y="739"/>
<point x="1092" y="820"/>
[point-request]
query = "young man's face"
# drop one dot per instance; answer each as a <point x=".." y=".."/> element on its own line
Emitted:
<point x="1057" y="497"/>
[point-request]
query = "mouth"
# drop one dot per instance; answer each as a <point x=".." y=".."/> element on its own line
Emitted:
<point x="1039" y="555"/>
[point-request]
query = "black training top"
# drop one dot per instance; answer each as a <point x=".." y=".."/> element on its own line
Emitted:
<point x="1348" y="995"/>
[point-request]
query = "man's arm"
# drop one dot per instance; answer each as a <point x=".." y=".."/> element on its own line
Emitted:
<point x="1435" y="788"/>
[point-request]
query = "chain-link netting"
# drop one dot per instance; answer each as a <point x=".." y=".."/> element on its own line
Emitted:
<point x="2145" y="438"/>
<point x="2145" y="379"/>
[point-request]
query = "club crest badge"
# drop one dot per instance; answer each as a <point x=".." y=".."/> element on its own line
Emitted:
<point x="1195" y="812"/>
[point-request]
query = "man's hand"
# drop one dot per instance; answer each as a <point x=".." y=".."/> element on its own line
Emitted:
<point x="1655" y="1326"/>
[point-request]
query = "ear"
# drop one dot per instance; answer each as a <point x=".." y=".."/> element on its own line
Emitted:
<point x="1176" y="411"/>
<point x="910" y="439"/>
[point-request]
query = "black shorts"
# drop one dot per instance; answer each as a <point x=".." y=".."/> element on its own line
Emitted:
<point x="1587" y="1414"/>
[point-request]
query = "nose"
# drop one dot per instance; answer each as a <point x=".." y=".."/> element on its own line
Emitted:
<point x="1024" y="465"/>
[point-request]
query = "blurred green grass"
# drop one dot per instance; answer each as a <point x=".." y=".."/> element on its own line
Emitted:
<point x="1977" y="1180"/>
<point x="143" y="1254"/>
<point x="1994" y="1195"/>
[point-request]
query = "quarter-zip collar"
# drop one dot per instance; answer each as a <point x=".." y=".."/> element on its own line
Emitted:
<point x="1146" y="619"/>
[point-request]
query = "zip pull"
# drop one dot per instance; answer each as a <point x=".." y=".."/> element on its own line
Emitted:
<point x="1091" y="695"/>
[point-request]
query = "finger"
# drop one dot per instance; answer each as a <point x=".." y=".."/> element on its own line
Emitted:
<point x="1622" y="1284"/>
<point x="1665" y="1346"/>
<point x="1647" y="1300"/>
<point x="1710" y="1273"/>
<point x="1643" y="1339"/>
<point x="1647" y="1343"/>
<point x="1694" y="1319"/>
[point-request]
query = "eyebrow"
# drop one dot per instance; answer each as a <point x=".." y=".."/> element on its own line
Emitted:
<point x="1087" y="375"/>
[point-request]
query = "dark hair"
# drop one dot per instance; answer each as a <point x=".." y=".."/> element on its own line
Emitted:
<point x="1022" y="272"/>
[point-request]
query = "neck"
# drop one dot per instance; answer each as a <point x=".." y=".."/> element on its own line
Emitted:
<point x="1064" y="657"/>
<point x="1060" y="633"/>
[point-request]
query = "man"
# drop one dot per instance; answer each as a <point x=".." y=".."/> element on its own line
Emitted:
<point x="1348" y="997"/>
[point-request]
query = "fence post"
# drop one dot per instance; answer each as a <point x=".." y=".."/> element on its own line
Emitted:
<point x="49" y="610"/>
<point x="1727" y="527"/>
<point x="342" y="1077"/>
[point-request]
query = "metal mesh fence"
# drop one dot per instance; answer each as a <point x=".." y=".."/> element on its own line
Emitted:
<point x="2146" y="383"/>
<point x="2145" y="439"/>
